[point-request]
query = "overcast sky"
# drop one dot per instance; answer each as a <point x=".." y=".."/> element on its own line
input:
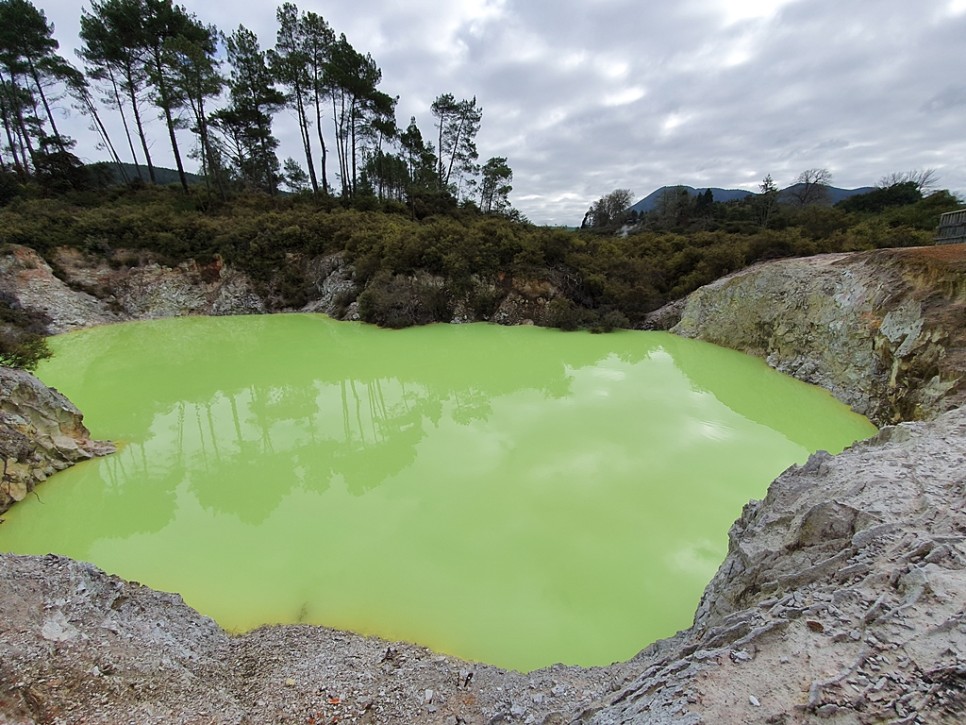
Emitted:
<point x="585" y="96"/>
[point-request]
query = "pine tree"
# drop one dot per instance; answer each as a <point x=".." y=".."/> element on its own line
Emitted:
<point x="457" y="123"/>
<point x="495" y="186"/>
<point x="113" y="51"/>
<point x="247" y="121"/>
<point x="29" y="68"/>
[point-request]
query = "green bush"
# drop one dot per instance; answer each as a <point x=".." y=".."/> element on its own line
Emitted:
<point x="471" y="256"/>
<point x="22" y="341"/>
<point x="388" y="301"/>
<point x="19" y="349"/>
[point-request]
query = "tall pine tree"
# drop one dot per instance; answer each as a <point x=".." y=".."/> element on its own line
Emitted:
<point x="247" y="121"/>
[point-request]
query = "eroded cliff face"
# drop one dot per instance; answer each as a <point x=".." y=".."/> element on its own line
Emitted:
<point x="27" y="278"/>
<point x="884" y="331"/>
<point x="41" y="432"/>
<point x="76" y="289"/>
<point x="94" y="290"/>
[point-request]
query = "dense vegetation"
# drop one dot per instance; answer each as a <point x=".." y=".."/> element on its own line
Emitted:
<point x="413" y="268"/>
<point x="22" y="341"/>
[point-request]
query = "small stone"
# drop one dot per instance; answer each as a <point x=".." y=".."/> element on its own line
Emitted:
<point x="290" y="682"/>
<point x="57" y="629"/>
<point x="754" y="701"/>
<point x="428" y="696"/>
<point x="815" y="625"/>
<point x="517" y="710"/>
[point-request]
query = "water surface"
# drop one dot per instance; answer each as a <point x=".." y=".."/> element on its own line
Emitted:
<point x="519" y="496"/>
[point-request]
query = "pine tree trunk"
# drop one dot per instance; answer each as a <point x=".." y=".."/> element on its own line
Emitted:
<point x="21" y="168"/>
<point x="127" y="129"/>
<point x="164" y="100"/>
<point x="43" y="99"/>
<point x="318" y="126"/>
<point x="140" y="127"/>
<point x="306" y="140"/>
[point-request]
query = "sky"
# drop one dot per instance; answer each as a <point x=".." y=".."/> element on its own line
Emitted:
<point x="586" y="96"/>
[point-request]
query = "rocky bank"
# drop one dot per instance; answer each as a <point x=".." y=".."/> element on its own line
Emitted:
<point x="842" y="597"/>
<point x="75" y="289"/>
<point x="883" y="331"/>
<point x="41" y="432"/>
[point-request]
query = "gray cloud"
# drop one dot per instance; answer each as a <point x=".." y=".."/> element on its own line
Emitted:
<point x="586" y="96"/>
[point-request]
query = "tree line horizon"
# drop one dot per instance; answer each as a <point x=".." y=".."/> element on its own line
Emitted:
<point x="153" y="56"/>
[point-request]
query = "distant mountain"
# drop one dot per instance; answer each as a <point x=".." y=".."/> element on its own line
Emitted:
<point x="835" y="195"/>
<point x="162" y="175"/>
<point x="649" y="202"/>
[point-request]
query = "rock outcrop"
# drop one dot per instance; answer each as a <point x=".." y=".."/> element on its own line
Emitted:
<point x="41" y="432"/>
<point x="138" y="286"/>
<point x="27" y="278"/>
<point x="883" y="331"/>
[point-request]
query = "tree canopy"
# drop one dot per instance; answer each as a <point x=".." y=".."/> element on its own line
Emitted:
<point x="144" y="58"/>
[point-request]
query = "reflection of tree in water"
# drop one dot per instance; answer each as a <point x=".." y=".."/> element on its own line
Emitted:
<point x="370" y="454"/>
<point x="254" y="399"/>
<point x="131" y="490"/>
<point x="471" y="405"/>
<point x="277" y="439"/>
<point x="135" y="482"/>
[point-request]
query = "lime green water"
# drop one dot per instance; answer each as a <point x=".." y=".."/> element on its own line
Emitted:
<point x="518" y="496"/>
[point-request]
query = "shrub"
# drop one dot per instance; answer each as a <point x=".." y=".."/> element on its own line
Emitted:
<point x="609" y="321"/>
<point x="484" y="301"/>
<point x="22" y="342"/>
<point x="388" y="301"/>
<point x="565" y="315"/>
<point x="20" y="349"/>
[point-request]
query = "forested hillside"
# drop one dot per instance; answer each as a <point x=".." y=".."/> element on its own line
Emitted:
<point x="600" y="279"/>
<point x="146" y="59"/>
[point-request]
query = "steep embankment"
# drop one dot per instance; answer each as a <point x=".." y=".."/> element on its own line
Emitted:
<point x="883" y="331"/>
<point x="41" y="432"/>
<point x="94" y="291"/>
<point x="77" y="290"/>
<point x="842" y="596"/>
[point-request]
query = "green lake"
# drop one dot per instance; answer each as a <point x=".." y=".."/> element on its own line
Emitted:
<point x="519" y="496"/>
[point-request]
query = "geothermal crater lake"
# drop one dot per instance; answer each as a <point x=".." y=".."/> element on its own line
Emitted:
<point x="519" y="496"/>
